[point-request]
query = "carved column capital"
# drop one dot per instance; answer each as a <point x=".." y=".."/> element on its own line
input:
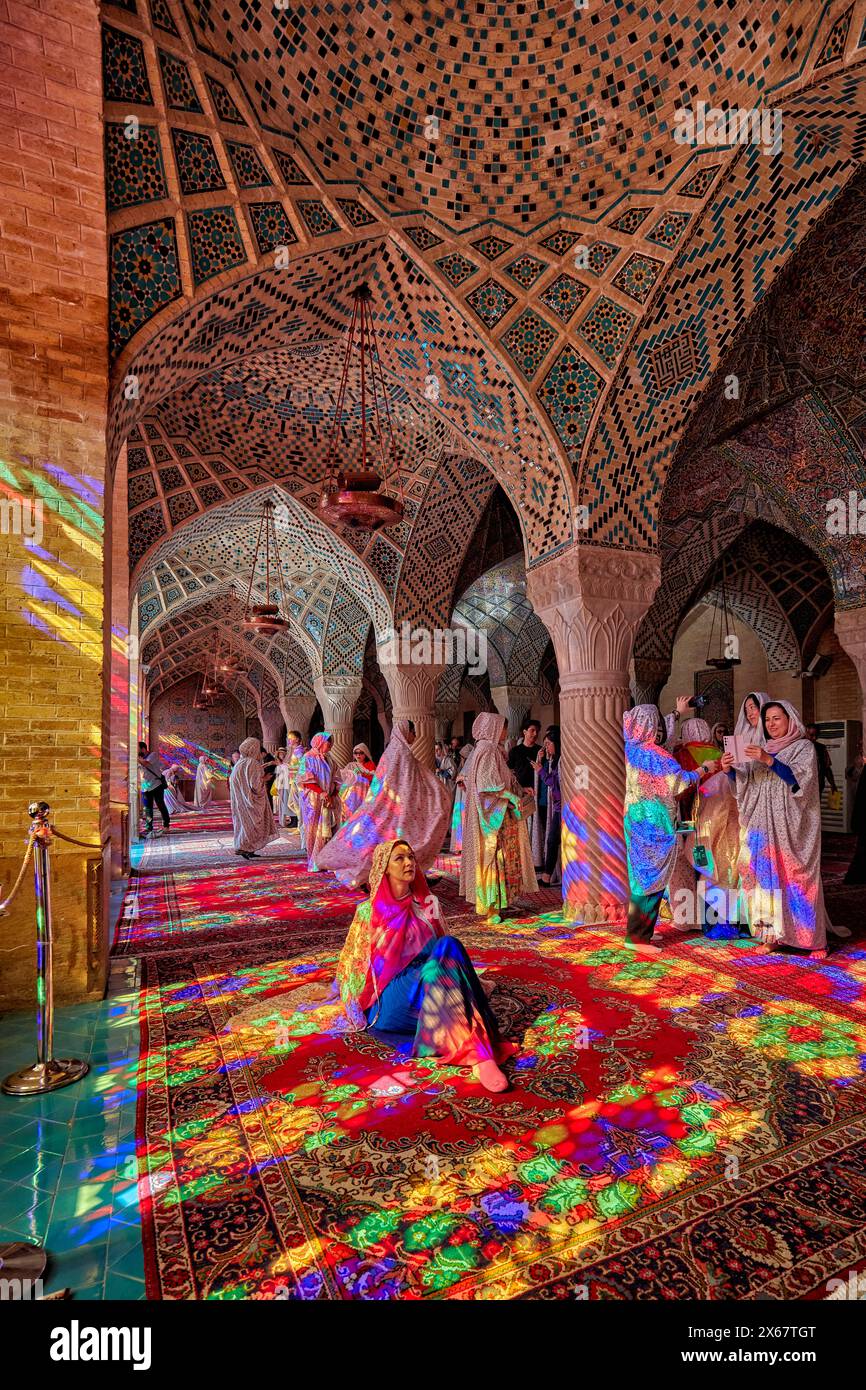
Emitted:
<point x="297" y="712"/>
<point x="592" y="600"/>
<point x="337" y="701"/>
<point x="271" y="720"/>
<point x="513" y="702"/>
<point x="413" y="696"/>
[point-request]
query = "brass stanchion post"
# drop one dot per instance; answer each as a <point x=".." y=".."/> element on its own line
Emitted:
<point x="47" y="1073"/>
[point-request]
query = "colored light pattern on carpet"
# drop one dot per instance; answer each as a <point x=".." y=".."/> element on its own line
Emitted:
<point x="667" y="1100"/>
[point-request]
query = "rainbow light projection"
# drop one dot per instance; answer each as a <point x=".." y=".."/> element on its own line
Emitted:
<point x="58" y="600"/>
<point x="173" y="748"/>
<point x="628" y="1091"/>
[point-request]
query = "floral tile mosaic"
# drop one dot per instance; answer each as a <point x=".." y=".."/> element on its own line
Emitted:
<point x="215" y="242"/>
<point x="134" y="170"/>
<point x="491" y="302"/>
<point x="529" y="340"/>
<point x="563" y="296"/>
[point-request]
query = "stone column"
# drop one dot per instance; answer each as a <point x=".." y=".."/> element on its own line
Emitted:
<point x="650" y="678"/>
<point x="297" y="711"/>
<point x="513" y="702"/>
<point x="271" y="720"/>
<point x="850" y="625"/>
<point x="443" y="719"/>
<point x="337" y="701"/>
<point x="413" y="696"/>
<point x="592" y="600"/>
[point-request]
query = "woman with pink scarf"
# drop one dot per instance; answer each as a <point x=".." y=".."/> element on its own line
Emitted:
<point x="777" y="795"/>
<point x="317" y="794"/>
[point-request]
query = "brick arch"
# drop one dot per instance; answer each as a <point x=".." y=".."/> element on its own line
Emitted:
<point x="759" y="215"/>
<point x="268" y="329"/>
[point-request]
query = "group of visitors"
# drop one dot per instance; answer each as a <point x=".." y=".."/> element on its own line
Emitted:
<point x="160" y="787"/>
<point x="744" y="825"/>
<point x="730" y="838"/>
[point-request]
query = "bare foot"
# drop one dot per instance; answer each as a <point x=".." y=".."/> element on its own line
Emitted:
<point x="766" y="948"/>
<point x="817" y="955"/>
<point x="644" y="948"/>
<point x="491" y="1078"/>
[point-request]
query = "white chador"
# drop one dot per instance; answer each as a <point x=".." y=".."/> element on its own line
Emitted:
<point x="204" y="775"/>
<point x="252" y="817"/>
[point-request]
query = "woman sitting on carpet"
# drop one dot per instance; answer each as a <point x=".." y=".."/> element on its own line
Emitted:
<point x="399" y="973"/>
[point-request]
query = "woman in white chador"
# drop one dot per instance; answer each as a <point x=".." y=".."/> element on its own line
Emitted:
<point x="406" y="801"/>
<point x="204" y="775"/>
<point x="780" y="864"/>
<point x="252" y="817"/>
<point x="175" y="803"/>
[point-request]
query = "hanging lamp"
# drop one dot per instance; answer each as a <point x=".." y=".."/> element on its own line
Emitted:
<point x="352" y="496"/>
<point x="265" y="618"/>
<point x="722" y="662"/>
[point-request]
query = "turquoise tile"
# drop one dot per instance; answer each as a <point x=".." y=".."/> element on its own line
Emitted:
<point x="104" y="1126"/>
<point x="29" y="1221"/>
<point x="119" y="1286"/>
<point x="33" y="1169"/>
<point x="131" y="1264"/>
<point x="79" y="1270"/>
<point x="64" y="1235"/>
<point x="81" y="1201"/>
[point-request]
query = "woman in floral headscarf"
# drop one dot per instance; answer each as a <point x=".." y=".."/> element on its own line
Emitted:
<point x="317" y="795"/>
<point x="777" y="794"/>
<point x="400" y="973"/>
<point x="496" y="863"/>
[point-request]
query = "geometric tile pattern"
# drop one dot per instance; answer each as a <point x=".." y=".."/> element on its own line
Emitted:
<point x="134" y="171"/>
<point x="215" y="242"/>
<point x="223" y="102"/>
<point x="316" y="215"/>
<point x="124" y="70"/>
<point x="569" y="394"/>
<point x="456" y="268"/>
<point x="271" y="226"/>
<point x="491" y="246"/>
<point x="528" y="340"/>
<point x="668" y="230"/>
<point x="162" y="17"/>
<point x="756" y="218"/>
<point x="180" y="92"/>
<point x="564" y="296"/>
<point x="250" y="172"/>
<point x="526" y="270"/>
<point x="355" y="213"/>
<point x="629" y="221"/>
<point x="638" y="276"/>
<point x="144" y="277"/>
<point x="197" y="165"/>
<point x="491" y="301"/>
<point x="834" y="48"/>
<point x="606" y="328"/>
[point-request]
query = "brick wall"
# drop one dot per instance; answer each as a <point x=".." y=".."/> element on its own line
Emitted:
<point x="53" y="388"/>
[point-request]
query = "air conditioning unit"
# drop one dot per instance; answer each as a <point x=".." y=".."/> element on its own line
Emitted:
<point x="818" y="667"/>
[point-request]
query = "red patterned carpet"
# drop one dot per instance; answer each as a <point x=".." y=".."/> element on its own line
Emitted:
<point x="692" y="1127"/>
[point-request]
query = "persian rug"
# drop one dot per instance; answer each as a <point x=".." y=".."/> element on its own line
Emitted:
<point x="674" y="1129"/>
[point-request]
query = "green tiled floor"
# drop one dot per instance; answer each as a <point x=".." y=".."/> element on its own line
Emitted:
<point x="67" y="1160"/>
